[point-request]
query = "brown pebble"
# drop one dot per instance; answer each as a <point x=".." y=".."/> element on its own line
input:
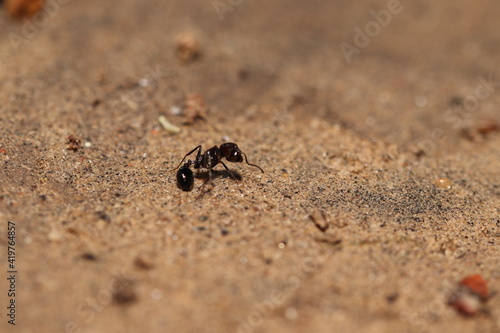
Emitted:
<point x="89" y="256"/>
<point x="188" y="48"/>
<point x="124" y="292"/>
<point x="443" y="183"/>
<point x="19" y="9"/>
<point x="476" y="285"/>
<point x="488" y="127"/>
<point x="74" y="143"/>
<point x="103" y="216"/>
<point x="96" y="103"/>
<point x="392" y="297"/>
<point x="144" y="261"/>
<point x="470" y="296"/>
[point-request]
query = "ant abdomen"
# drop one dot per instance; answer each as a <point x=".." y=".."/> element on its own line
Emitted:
<point x="185" y="178"/>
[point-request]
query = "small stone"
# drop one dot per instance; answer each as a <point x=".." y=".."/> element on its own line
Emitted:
<point x="443" y="183"/>
<point x="73" y="143"/>
<point x="470" y="296"/>
<point x="124" y="292"/>
<point x="89" y="256"/>
<point x="156" y="294"/>
<point x="54" y="236"/>
<point x="144" y="261"/>
<point x="188" y="48"/>
<point x="291" y="313"/>
<point x="476" y="285"/>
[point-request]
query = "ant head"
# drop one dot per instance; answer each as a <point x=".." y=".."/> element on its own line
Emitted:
<point x="231" y="152"/>
<point x="235" y="156"/>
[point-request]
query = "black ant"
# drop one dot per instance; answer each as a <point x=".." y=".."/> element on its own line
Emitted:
<point x="208" y="160"/>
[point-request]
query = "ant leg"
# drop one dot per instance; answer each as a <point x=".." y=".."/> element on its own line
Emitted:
<point x="229" y="171"/>
<point x="192" y="151"/>
<point x="254" y="165"/>
<point x="209" y="170"/>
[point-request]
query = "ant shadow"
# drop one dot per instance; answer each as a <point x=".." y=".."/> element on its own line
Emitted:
<point x="205" y="175"/>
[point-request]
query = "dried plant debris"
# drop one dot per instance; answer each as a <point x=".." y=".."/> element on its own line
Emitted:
<point x="470" y="296"/>
<point x="195" y="108"/>
<point x="319" y="218"/>
<point x="19" y="9"/>
<point x="167" y="125"/>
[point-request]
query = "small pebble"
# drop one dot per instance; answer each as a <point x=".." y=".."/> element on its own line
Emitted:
<point x="156" y="294"/>
<point x="143" y="82"/>
<point x="188" y="48"/>
<point x="420" y="101"/>
<point x="488" y="127"/>
<point x="291" y="313"/>
<point x="175" y="110"/>
<point x="73" y="143"/>
<point x="89" y="256"/>
<point x="476" y="285"/>
<point x="124" y="292"/>
<point x="54" y="236"/>
<point x="470" y="296"/>
<point x="443" y="183"/>
<point x="19" y="9"/>
<point x="144" y="261"/>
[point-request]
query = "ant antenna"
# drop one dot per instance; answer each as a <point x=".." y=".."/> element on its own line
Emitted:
<point x="189" y="162"/>
<point x="177" y="167"/>
<point x="254" y="165"/>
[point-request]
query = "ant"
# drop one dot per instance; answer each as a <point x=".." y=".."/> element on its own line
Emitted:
<point x="208" y="160"/>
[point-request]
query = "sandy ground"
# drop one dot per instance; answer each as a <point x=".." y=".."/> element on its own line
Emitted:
<point x="106" y="242"/>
